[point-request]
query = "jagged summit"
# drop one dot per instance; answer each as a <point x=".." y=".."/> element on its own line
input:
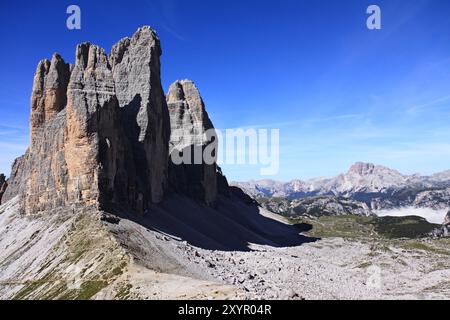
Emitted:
<point x="362" y="168"/>
<point x="366" y="169"/>
<point x="363" y="181"/>
<point x="189" y="125"/>
<point x="100" y="131"/>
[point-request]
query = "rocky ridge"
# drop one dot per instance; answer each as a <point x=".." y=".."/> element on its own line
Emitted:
<point x="103" y="128"/>
<point x="377" y="186"/>
<point x="316" y="206"/>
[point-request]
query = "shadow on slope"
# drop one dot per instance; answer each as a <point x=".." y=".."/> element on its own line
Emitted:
<point x="231" y="226"/>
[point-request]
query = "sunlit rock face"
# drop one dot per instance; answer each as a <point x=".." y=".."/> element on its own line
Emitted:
<point x="100" y="133"/>
<point x="99" y="130"/>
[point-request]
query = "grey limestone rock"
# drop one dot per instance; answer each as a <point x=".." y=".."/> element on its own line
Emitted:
<point x="190" y="124"/>
<point x="100" y="132"/>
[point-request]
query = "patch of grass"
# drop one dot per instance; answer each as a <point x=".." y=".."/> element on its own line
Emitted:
<point x="28" y="289"/>
<point x="31" y="286"/>
<point x="348" y="227"/>
<point x="56" y="292"/>
<point x="124" y="292"/>
<point x="402" y="227"/>
<point x="351" y="227"/>
<point x="89" y="289"/>
<point x="418" y="245"/>
<point x="117" y="271"/>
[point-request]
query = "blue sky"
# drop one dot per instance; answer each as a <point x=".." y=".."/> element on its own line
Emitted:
<point x="338" y="92"/>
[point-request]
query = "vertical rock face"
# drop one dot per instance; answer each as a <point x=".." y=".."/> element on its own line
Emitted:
<point x="91" y="105"/>
<point x="49" y="92"/>
<point x="135" y="65"/>
<point x="3" y="185"/>
<point x="44" y="168"/>
<point x="16" y="181"/>
<point x="190" y="140"/>
<point x="99" y="130"/>
<point x="100" y="133"/>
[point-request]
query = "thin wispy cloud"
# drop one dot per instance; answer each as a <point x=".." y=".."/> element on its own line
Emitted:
<point x="12" y="126"/>
<point x="277" y="125"/>
<point x="13" y="143"/>
<point x="409" y="10"/>
<point x="14" y="146"/>
<point x="13" y="102"/>
<point x="431" y="104"/>
<point x="337" y="117"/>
<point x="284" y="124"/>
<point x="172" y="32"/>
<point x="168" y="15"/>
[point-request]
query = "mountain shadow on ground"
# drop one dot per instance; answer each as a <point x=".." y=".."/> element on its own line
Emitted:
<point x="232" y="225"/>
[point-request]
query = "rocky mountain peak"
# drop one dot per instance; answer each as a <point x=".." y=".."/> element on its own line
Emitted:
<point x="361" y="168"/>
<point x="441" y="176"/>
<point x="176" y="92"/>
<point x="189" y="123"/>
<point x="361" y="179"/>
<point x="188" y="116"/>
<point x="102" y="126"/>
<point x="146" y="36"/>
<point x="48" y="95"/>
<point x="367" y="169"/>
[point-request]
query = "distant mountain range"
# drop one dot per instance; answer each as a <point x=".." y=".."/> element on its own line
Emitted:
<point x="377" y="186"/>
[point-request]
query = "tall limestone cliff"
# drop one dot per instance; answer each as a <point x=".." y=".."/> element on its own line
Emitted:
<point x="100" y="132"/>
<point x="48" y="96"/>
<point x="92" y="130"/>
<point x="192" y="136"/>
<point x="136" y="68"/>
